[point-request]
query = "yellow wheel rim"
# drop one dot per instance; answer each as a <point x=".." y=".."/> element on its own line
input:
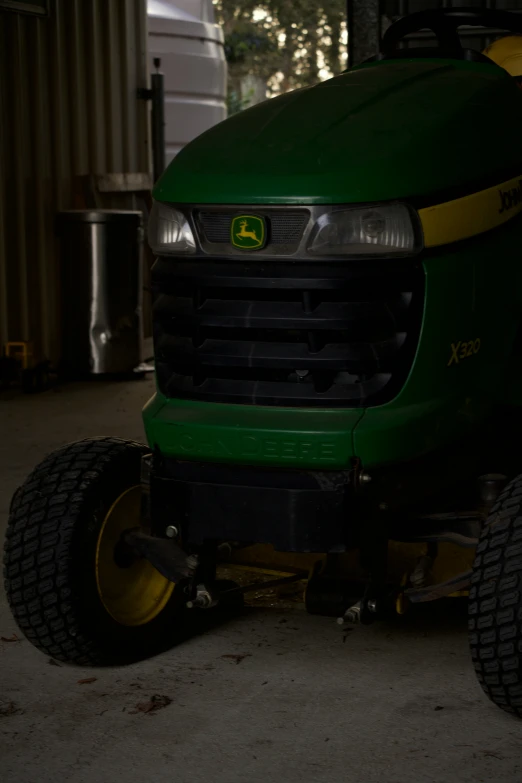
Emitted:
<point x="134" y="595"/>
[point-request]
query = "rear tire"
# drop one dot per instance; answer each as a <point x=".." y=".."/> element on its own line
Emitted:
<point x="495" y="602"/>
<point x="54" y="561"/>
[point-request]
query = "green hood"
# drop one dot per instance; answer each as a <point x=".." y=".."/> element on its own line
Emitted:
<point x="388" y="130"/>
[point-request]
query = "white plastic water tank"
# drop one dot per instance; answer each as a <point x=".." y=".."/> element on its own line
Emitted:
<point x="201" y="9"/>
<point x="193" y="61"/>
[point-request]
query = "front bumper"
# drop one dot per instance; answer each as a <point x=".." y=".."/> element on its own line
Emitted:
<point x="300" y="438"/>
<point x="294" y="511"/>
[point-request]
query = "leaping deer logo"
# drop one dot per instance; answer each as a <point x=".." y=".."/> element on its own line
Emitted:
<point x="248" y="232"/>
<point x="244" y="234"/>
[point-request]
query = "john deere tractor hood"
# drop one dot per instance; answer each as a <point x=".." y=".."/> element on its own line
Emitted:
<point x="375" y="133"/>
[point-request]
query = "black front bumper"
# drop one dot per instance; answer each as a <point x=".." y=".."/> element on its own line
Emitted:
<point x="295" y="511"/>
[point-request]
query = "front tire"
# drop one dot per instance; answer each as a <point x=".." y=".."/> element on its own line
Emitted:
<point x="495" y="602"/>
<point x="68" y="593"/>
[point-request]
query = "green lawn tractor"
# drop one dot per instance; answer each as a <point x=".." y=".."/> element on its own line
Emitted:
<point x="338" y="349"/>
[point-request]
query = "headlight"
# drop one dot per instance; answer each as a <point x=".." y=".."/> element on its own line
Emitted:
<point x="169" y="232"/>
<point x="366" y="231"/>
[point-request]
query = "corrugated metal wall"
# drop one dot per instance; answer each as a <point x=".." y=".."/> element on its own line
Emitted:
<point x="68" y="107"/>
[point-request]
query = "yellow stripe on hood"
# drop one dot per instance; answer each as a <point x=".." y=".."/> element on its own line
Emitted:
<point x="470" y="215"/>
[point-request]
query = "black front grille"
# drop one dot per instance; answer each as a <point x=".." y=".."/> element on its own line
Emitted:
<point x="304" y="334"/>
<point x="282" y="227"/>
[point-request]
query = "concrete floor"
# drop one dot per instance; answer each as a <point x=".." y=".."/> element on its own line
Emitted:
<point x="393" y="703"/>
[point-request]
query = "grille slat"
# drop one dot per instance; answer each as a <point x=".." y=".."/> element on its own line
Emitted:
<point x="171" y="275"/>
<point x="271" y="334"/>
<point x="374" y="320"/>
<point x="233" y="353"/>
<point x="266" y="392"/>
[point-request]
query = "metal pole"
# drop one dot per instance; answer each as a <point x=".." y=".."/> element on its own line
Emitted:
<point x="349" y="26"/>
<point x="158" y="121"/>
<point x="363" y="20"/>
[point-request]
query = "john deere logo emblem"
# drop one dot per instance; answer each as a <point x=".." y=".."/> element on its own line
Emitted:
<point x="248" y="232"/>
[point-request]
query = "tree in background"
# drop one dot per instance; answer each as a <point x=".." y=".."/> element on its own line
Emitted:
<point x="273" y="46"/>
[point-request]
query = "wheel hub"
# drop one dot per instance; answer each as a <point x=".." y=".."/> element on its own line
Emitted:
<point x="132" y="591"/>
